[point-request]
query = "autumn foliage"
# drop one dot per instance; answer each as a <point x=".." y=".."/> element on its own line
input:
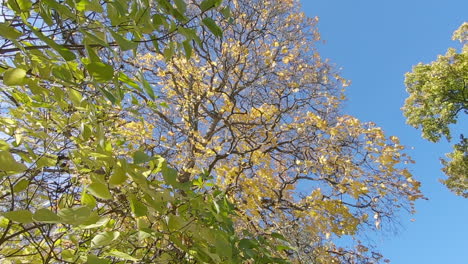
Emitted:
<point x="204" y="132"/>
<point x="260" y="110"/>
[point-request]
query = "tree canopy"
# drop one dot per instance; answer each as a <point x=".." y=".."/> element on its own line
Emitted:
<point x="261" y="111"/>
<point x="438" y="96"/>
<point x="72" y="190"/>
<point x="184" y="132"/>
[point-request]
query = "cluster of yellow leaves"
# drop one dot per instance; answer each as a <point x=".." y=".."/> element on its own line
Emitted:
<point x="134" y="133"/>
<point x="260" y="110"/>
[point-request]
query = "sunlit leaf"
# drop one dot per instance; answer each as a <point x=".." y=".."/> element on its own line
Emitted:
<point x="100" y="190"/>
<point x="9" y="32"/>
<point x="13" y="77"/>
<point x="118" y="176"/>
<point x="100" y="71"/>
<point x="8" y="163"/>
<point x="88" y="200"/>
<point x="101" y="222"/>
<point x="46" y="216"/>
<point x="147" y="87"/>
<point x="104" y="238"/>
<point x="75" y="215"/>
<point x="93" y="259"/>
<point x="123" y="43"/>
<point x="20" y="216"/>
<point x="138" y="208"/>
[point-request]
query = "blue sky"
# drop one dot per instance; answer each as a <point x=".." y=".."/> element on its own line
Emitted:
<point x="376" y="42"/>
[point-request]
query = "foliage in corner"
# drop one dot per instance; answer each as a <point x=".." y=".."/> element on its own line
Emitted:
<point x="438" y="96"/>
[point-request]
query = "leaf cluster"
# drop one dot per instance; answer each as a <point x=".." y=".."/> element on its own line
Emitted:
<point x="438" y="98"/>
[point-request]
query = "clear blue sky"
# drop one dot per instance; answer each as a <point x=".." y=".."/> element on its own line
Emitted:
<point x="376" y="42"/>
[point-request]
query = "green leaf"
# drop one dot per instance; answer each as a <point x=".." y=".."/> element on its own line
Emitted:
<point x="92" y="259"/>
<point x="118" y="176"/>
<point x="68" y="255"/>
<point x="140" y="157"/>
<point x="76" y="215"/>
<point x="116" y="13"/>
<point x="13" y="77"/>
<point x="278" y="236"/>
<point x="158" y="20"/>
<point x="4" y="145"/>
<point x="100" y="190"/>
<point x="179" y="15"/>
<point x="62" y="73"/>
<point x="9" y="32"/>
<point x="168" y="52"/>
<point x="247" y="244"/>
<point x="46" y="216"/>
<point x="138" y="208"/>
<point x="89" y="5"/>
<point x="101" y="222"/>
<point x="64" y="52"/>
<point x="226" y="12"/>
<point x="94" y="39"/>
<point x="175" y="223"/>
<point x="100" y="71"/>
<point x="104" y="239"/>
<point x="216" y="206"/>
<point x="284" y="247"/>
<point x="223" y="247"/>
<point x="46" y="162"/>
<point x="108" y="95"/>
<point x="170" y="176"/>
<point x="181" y="5"/>
<point x="92" y="55"/>
<point x="45" y="13"/>
<point x="86" y="131"/>
<point x="148" y="89"/>
<point x="92" y="219"/>
<point x="88" y="200"/>
<point x="211" y="25"/>
<point x="122" y="255"/>
<point x="21" y="185"/>
<point x="187" y="49"/>
<point x="75" y="96"/>
<point x="207" y="4"/>
<point x="142" y="224"/>
<point x="20" y="5"/>
<point x="123" y="43"/>
<point x="8" y="163"/>
<point x="166" y="5"/>
<point x="20" y="216"/>
<point x="60" y="8"/>
<point x="125" y="79"/>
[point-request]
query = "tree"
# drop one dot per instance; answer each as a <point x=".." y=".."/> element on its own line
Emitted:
<point x="259" y="110"/>
<point x="260" y="164"/>
<point x="438" y="96"/>
<point x="74" y="185"/>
